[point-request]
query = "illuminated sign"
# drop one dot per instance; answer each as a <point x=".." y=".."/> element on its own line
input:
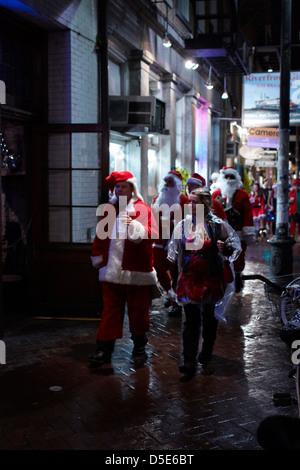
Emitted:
<point x="266" y="137"/>
<point x="261" y="99"/>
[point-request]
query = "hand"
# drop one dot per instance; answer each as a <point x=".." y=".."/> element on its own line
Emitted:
<point x="125" y="219"/>
<point x="220" y="245"/>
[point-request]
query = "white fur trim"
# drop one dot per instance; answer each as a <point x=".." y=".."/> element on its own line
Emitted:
<point x="195" y="181"/>
<point x="96" y="261"/>
<point x="136" y="231"/>
<point x="135" y="188"/>
<point x="136" y="278"/>
<point x="113" y="271"/>
<point x="229" y="171"/>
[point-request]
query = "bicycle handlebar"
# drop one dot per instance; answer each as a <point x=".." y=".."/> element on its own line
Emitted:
<point x="259" y="277"/>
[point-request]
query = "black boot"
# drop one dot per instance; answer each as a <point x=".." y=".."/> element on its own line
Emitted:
<point x="188" y="369"/>
<point x="103" y="353"/>
<point x="138" y="353"/>
<point x="206" y="353"/>
<point x="175" y="311"/>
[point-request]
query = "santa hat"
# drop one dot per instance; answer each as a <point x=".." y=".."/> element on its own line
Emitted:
<point x="121" y="177"/>
<point x="196" y="179"/>
<point x="176" y="173"/>
<point x="229" y="170"/>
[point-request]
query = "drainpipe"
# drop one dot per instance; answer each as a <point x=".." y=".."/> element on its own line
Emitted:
<point x="281" y="243"/>
<point x="101" y="50"/>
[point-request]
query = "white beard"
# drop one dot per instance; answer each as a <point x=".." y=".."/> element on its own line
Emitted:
<point x="168" y="196"/>
<point x="228" y="188"/>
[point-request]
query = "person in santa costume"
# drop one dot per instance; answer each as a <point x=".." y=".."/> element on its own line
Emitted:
<point x="199" y="247"/>
<point x="293" y="218"/>
<point x="214" y="182"/>
<point x="170" y="196"/>
<point x="235" y="201"/>
<point x="122" y="250"/>
<point x="257" y="202"/>
<point x="197" y="181"/>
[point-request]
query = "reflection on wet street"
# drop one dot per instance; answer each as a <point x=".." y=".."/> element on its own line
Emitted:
<point x="122" y="407"/>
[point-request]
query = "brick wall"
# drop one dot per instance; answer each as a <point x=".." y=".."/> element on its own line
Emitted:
<point x="72" y="98"/>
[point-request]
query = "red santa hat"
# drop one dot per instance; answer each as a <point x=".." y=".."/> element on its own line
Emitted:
<point x="196" y="179"/>
<point x="176" y="173"/>
<point x="229" y="170"/>
<point x="122" y="176"/>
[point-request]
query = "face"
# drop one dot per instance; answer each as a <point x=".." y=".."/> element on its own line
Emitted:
<point x="192" y="186"/>
<point x="123" y="189"/>
<point x="169" y="182"/>
<point x="229" y="177"/>
<point x="193" y="201"/>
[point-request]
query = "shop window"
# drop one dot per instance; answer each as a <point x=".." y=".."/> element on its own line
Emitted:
<point x="115" y="81"/>
<point x="183" y="9"/>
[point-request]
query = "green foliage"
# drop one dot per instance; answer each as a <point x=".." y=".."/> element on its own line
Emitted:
<point x="185" y="175"/>
<point x="247" y="182"/>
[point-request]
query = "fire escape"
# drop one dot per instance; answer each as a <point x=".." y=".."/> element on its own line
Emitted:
<point x="217" y="38"/>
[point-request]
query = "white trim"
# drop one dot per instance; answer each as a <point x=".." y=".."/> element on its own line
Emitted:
<point x="113" y="271"/>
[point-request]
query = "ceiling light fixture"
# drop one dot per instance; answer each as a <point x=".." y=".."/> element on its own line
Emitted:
<point x="208" y="84"/>
<point x="166" y="40"/>
<point x="225" y="94"/>
<point x="191" y="65"/>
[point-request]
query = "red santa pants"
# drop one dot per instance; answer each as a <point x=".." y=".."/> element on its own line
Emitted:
<point x="115" y="297"/>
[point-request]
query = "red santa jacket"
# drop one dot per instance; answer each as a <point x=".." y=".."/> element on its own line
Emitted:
<point x="241" y="203"/>
<point x="292" y="202"/>
<point x="162" y="241"/>
<point x="217" y="209"/>
<point x="257" y="204"/>
<point x="125" y="255"/>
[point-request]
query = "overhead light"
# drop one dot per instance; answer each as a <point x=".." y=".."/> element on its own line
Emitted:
<point x="166" y="40"/>
<point x="191" y="65"/>
<point x="225" y="94"/>
<point x="208" y="84"/>
<point x="270" y="70"/>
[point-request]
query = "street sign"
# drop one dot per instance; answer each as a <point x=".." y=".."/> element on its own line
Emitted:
<point x="264" y="163"/>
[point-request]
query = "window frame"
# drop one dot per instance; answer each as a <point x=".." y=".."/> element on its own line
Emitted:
<point x="103" y="169"/>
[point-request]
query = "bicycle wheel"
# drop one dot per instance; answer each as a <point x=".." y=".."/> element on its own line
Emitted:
<point x="290" y="301"/>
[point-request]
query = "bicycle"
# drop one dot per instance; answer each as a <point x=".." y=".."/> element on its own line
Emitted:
<point x="283" y="295"/>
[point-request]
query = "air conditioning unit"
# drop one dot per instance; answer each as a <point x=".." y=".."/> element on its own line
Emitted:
<point x="137" y="112"/>
<point x="232" y="149"/>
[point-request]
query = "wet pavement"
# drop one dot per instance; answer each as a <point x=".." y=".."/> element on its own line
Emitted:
<point x="52" y="400"/>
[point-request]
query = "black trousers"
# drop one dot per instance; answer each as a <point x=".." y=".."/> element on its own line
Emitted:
<point x="195" y="317"/>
